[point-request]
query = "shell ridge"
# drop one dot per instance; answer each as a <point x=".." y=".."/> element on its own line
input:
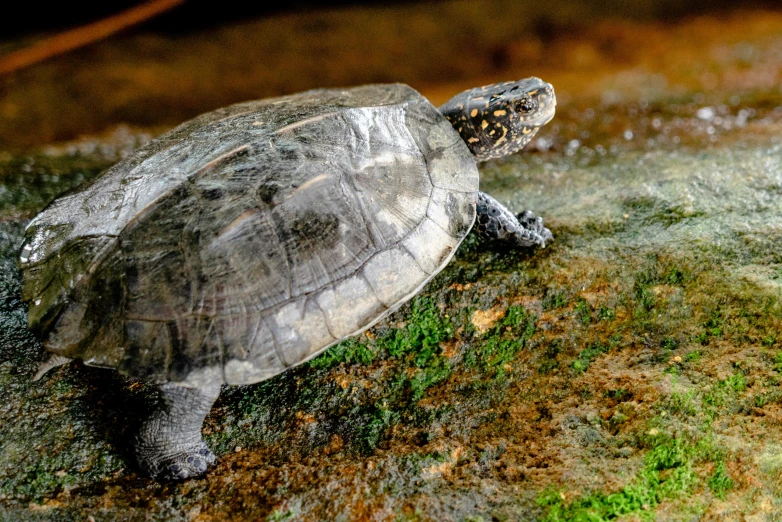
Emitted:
<point x="369" y="284"/>
<point x="289" y="278"/>
<point x="277" y="350"/>
<point x="415" y="260"/>
<point x="311" y="298"/>
<point x="360" y="204"/>
<point x="251" y="344"/>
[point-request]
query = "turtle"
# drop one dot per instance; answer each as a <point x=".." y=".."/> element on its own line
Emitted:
<point x="252" y="238"/>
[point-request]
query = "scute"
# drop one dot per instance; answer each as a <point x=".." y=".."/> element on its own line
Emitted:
<point x="393" y="274"/>
<point x="252" y="238"/>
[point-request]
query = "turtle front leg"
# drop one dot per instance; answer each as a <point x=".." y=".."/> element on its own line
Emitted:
<point x="168" y="444"/>
<point x="496" y="222"/>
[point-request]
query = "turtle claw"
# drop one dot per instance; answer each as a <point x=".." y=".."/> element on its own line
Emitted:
<point x="191" y="467"/>
<point x="206" y="454"/>
<point x="540" y="235"/>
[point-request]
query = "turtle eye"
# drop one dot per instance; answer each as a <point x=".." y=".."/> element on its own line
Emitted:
<point x="526" y="104"/>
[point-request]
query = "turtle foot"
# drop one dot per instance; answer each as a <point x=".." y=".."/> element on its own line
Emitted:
<point x="534" y="225"/>
<point x="183" y="463"/>
<point x="495" y="222"/>
<point x="169" y="444"/>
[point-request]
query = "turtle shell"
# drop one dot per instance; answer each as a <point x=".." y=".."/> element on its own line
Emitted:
<point x="251" y="238"/>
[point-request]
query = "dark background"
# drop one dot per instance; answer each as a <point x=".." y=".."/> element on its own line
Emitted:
<point x="30" y="18"/>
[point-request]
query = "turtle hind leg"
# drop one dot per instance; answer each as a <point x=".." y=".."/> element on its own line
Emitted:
<point x="495" y="222"/>
<point x="52" y="362"/>
<point x="168" y="444"/>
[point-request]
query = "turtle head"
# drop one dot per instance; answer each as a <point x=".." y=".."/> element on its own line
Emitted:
<point x="499" y="119"/>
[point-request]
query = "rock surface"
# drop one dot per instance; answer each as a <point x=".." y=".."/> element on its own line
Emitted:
<point x="634" y="367"/>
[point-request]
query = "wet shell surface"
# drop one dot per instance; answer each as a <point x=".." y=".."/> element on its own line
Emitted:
<point x="250" y="239"/>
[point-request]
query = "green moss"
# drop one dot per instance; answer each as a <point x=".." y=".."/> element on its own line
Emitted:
<point x="657" y="270"/>
<point x="586" y="356"/>
<point x="550" y="353"/>
<point x="280" y="516"/>
<point x="426" y="377"/>
<point x="350" y="351"/>
<point x="720" y="482"/>
<point x="415" y="516"/>
<point x="417" y="344"/>
<point x="619" y="394"/>
<point x="668" y="452"/>
<point x="414" y="463"/>
<point x="616" y="420"/>
<point x="653" y="210"/>
<point x="713" y="327"/>
<point x="723" y="393"/>
<point x="645" y="298"/>
<point x="374" y="429"/>
<point x="583" y="311"/>
<point x="50" y="474"/>
<point x="736" y="382"/>
<point x="773" y="396"/>
<point x="554" y="299"/>
<point x="413" y="363"/>
<point x="606" y="314"/>
<point x="426" y="328"/>
<point x="668" y="343"/>
<point x="668" y="472"/>
<point x="503" y="341"/>
<point x="681" y="403"/>
<point x="677" y="276"/>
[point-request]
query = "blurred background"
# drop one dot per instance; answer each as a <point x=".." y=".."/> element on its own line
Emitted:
<point x="196" y="55"/>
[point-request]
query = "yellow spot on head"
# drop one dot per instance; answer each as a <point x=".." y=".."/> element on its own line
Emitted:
<point x="473" y="140"/>
<point x="484" y="124"/>
<point x="526" y="130"/>
<point x="474" y="113"/>
<point x="500" y="113"/>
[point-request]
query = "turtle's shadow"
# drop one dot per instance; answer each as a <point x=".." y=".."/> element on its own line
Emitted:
<point x="115" y="407"/>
